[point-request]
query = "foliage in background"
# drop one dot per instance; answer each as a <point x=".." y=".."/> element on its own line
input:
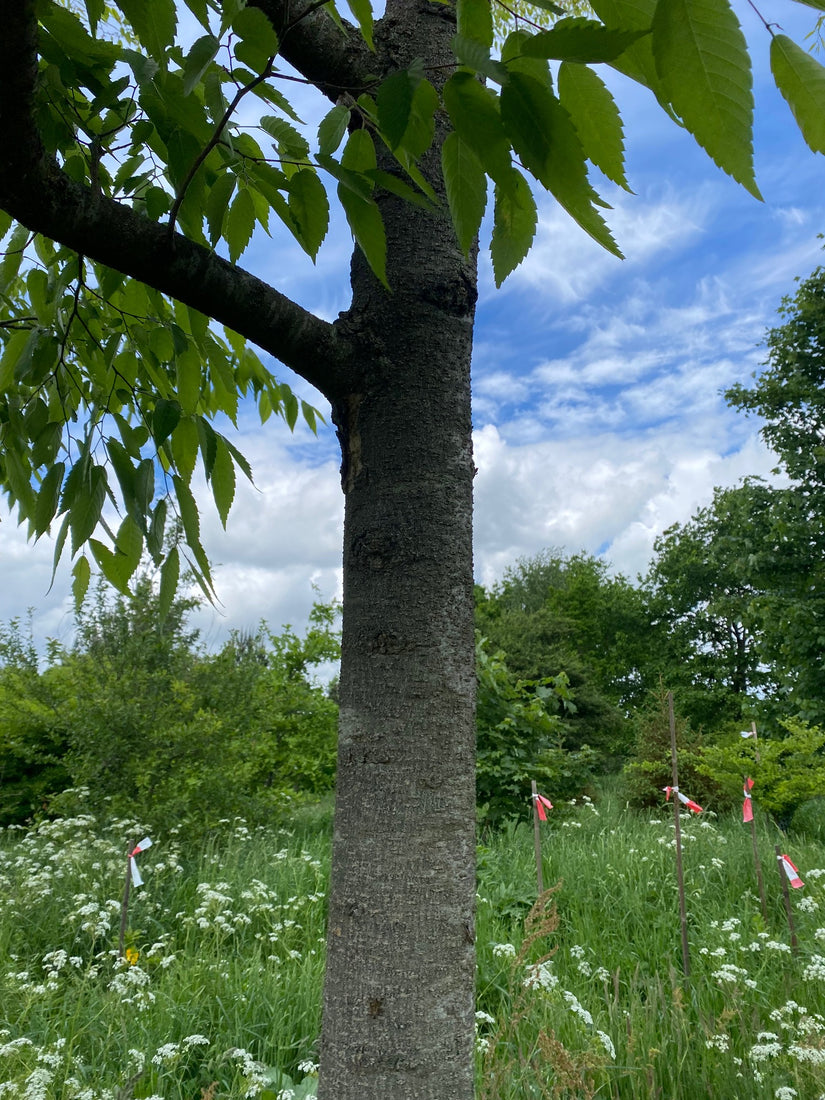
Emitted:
<point x="142" y="717"/>
<point x="650" y="768"/>
<point x="790" y="770"/>
<point x="565" y="613"/>
<point x="520" y="738"/>
<point x="32" y="728"/>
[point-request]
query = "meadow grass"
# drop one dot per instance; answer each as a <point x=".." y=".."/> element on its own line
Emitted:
<point x="580" y="994"/>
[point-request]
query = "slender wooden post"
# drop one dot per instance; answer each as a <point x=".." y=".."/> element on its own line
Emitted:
<point x="755" y="741"/>
<point x="786" y="897"/>
<point x="763" y="901"/>
<point x="676" y="805"/>
<point x="537" y="838"/>
<point x="124" y="906"/>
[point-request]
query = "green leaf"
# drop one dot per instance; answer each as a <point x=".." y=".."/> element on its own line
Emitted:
<point x="154" y="24"/>
<point x="223" y="480"/>
<point x="87" y="507"/>
<point x="259" y="42"/>
<point x="514" y="225"/>
<point x="703" y="63"/>
<point x="240" y="223"/>
<point x="466" y="184"/>
<point x="475" y="20"/>
<point x="637" y="61"/>
<point x="394" y="102"/>
<point x="191" y="527"/>
<point x="801" y="80"/>
<point x="129" y="546"/>
<point x="217" y="202"/>
<point x="169" y="574"/>
<point x="48" y="498"/>
<point x="527" y="111"/>
<point x="364" y="219"/>
<point x="477" y="57"/>
<point x="596" y="117"/>
<point x="309" y="207"/>
<point x="164" y="419"/>
<point x="185" y="447"/>
<point x="81" y="572"/>
<point x="332" y="128"/>
<point x="198" y="61"/>
<point x="584" y="40"/>
<point x="291" y="144"/>
<point x="362" y="10"/>
<point x="188" y="376"/>
<point x="474" y="113"/>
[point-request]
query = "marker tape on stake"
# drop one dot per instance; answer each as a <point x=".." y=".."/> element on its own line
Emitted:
<point x="137" y="880"/>
<point x="691" y="805"/>
<point x="791" y="872"/>
<point x="541" y="803"/>
<point x="747" y="805"/>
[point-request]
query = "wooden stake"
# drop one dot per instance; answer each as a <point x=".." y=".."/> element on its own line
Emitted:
<point x="124" y="906"/>
<point x="786" y="897"/>
<point x="537" y="839"/>
<point x="676" y="806"/>
<point x="763" y="901"/>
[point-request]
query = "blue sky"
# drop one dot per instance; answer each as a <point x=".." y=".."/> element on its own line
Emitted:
<point x="597" y="408"/>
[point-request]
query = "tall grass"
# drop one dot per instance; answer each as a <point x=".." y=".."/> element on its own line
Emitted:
<point x="581" y="994"/>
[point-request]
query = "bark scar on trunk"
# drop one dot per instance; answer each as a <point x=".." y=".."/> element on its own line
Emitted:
<point x="345" y="419"/>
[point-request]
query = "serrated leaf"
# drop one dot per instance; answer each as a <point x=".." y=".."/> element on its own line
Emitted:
<point x="583" y="40"/>
<point x="527" y="111"/>
<point x="514" y="225"/>
<point x="165" y="419"/>
<point x="309" y="207"/>
<point x="703" y="64"/>
<point x="217" y="203"/>
<point x="223" y="481"/>
<point x="111" y="565"/>
<point x="475" y="20"/>
<point x="240" y="222"/>
<point x="290" y="142"/>
<point x="185" y="447"/>
<point x="129" y="546"/>
<point x="198" y="61"/>
<point x="566" y="179"/>
<point x="87" y="506"/>
<point x="477" y="57"/>
<point x="188" y="376"/>
<point x="801" y="80"/>
<point x="332" y="128"/>
<point x="394" y="103"/>
<point x="154" y="24"/>
<point x="474" y="113"/>
<point x="48" y="498"/>
<point x="364" y="219"/>
<point x="257" y="33"/>
<point x="466" y="184"/>
<point x="81" y="574"/>
<point x="362" y="10"/>
<point x="169" y="574"/>
<point x="191" y="525"/>
<point x="596" y="117"/>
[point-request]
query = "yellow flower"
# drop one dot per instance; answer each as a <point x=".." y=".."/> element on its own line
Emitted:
<point x="132" y="956"/>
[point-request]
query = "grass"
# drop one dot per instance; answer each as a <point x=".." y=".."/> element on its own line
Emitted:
<point x="581" y="994"/>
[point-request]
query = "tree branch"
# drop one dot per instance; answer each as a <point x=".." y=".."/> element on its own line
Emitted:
<point x="40" y="196"/>
<point x="312" y="43"/>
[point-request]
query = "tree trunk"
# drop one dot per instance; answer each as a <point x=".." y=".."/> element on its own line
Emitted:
<point x="399" y="991"/>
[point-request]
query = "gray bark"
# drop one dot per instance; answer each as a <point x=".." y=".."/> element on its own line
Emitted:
<point x="399" y="992"/>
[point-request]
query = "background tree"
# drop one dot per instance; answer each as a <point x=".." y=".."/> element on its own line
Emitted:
<point x="133" y="161"/>
<point x="566" y="613"/>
